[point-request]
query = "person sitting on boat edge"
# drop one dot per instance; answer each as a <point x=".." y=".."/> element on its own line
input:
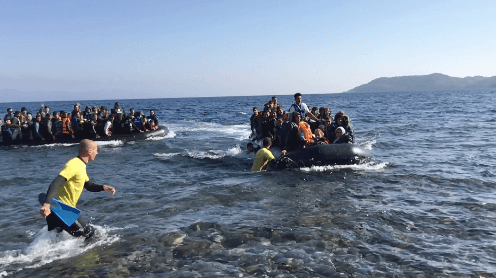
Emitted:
<point x="108" y="128"/>
<point x="341" y="137"/>
<point x="263" y="156"/>
<point x="153" y="117"/>
<point x="37" y="129"/>
<point x="348" y="128"/>
<point x="68" y="186"/>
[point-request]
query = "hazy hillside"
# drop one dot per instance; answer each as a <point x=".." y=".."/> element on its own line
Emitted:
<point x="431" y="82"/>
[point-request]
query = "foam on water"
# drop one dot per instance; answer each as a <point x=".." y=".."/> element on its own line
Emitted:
<point x="211" y="154"/>
<point x="239" y="132"/>
<point x="55" y="145"/>
<point x="370" y="166"/>
<point x="111" y="143"/>
<point x="51" y="246"/>
<point x="169" y="135"/>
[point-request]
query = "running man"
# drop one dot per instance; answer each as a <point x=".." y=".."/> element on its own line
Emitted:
<point x="67" y="187"/>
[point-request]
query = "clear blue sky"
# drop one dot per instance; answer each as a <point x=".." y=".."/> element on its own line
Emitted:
<point x="153" y="49"/>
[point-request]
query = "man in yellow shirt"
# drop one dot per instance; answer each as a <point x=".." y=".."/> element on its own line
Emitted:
<point x="67" y="187"/>
<point x="263" y="156"/>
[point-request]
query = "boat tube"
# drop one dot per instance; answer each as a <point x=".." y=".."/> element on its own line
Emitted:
<point x="318" y="155"/>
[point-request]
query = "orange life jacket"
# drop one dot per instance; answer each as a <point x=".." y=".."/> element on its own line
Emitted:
<point x="66" y="126"/>
<point x="305" y="127"/>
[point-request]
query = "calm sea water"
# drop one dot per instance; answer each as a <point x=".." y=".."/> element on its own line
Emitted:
<point x="187" y="204"/>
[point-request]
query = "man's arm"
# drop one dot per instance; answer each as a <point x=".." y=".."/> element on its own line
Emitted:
<point x="312" y="116"/>
<point x="52" y="191"/>
<point x="98" y="188"/>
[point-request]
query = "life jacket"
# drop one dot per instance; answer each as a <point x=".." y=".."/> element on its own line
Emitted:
<point x="298" y="109"/>
<point x="305" y="131"/>
<point x="66" y="126"/>
<point x="151" y="123"/>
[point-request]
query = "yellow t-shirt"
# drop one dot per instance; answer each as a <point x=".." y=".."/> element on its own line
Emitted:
<point x="262" y="157"/>
<point x="75" y="174"/>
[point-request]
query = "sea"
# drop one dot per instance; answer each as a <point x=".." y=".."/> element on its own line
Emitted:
<point x="187" y="204"/>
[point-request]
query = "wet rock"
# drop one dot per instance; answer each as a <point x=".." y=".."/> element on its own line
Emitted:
<point x="232" y="242"/>
<point x="191" y="248"/>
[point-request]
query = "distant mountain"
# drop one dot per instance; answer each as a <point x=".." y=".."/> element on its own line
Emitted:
<point x="431" y="82"/>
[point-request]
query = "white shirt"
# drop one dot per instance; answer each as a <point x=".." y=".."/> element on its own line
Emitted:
<point x="302" y="109"/>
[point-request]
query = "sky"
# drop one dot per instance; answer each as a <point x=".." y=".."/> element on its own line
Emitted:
<point x="159" y="49"/>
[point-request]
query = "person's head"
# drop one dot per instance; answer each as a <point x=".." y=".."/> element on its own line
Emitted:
<point x="318" y="133"/>
<point x="116" y="105"/>
<point x="95" y="109"/>
<point x="322" y="111"/>
<point x="297" y="98"/>
<point x="87" y="109"/>
<point x="29" y="117"/>
<point x="267" y="142"/>
<point x="249" y="147"/>
<point x="87" y="150"/>
<point x="77" y="106"/>
<point x="280" y="121"/>
<point x="111" y="117"/>
<point x="9" y="110"/>
<point x="94" y="117"/>
<point x="345" y="120"/>
<point x="340" y="132"/>
<point x="273" y="114"/>
<point x="17" y="113"/>
<point x="315" y="111"/>
<point x="24" y="111"/>
<point x="49" y="116"/>
<point x="131" y="111"/>
<point x="327" y="121"/>
<point x="274" y="100"/>
<point x="8" y="121"/>
<point x="47" y="109"/>
<point x="338" y="115"/>
<point x="63" y="115"/>
<point x="152" y="112"/>
<point x="297" y="117"/>
<point x="255" y="110"/>
<point x="280" y="110"/>
<point x="38" y="118"/>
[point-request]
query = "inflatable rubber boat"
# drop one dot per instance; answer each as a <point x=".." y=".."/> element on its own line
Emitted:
<point x="160" y="132"/>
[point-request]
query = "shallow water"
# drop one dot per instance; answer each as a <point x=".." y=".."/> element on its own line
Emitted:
<point x="188" y="206"/>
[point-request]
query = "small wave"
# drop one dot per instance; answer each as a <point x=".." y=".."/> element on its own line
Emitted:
<point x="370" y="166"/>
<point x="368" y="145"/>
<point x="50" y="246"/>
<point x="109" y="143"/>
<point x="55" y="145"/>
<point x="211" y="154"/>
<point x="169" y="135"/>
<point x="165" y="155"/>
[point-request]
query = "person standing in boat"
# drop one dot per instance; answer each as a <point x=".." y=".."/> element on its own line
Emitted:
<point x="301" y="108"/>
<point x="67" y="187"/>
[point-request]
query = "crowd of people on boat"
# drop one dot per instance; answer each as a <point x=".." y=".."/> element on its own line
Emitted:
<point x="90" y="123"/>
<point x="300" y="126"/>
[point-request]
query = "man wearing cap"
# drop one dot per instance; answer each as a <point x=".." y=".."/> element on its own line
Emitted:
<point x="67" y="188"/>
